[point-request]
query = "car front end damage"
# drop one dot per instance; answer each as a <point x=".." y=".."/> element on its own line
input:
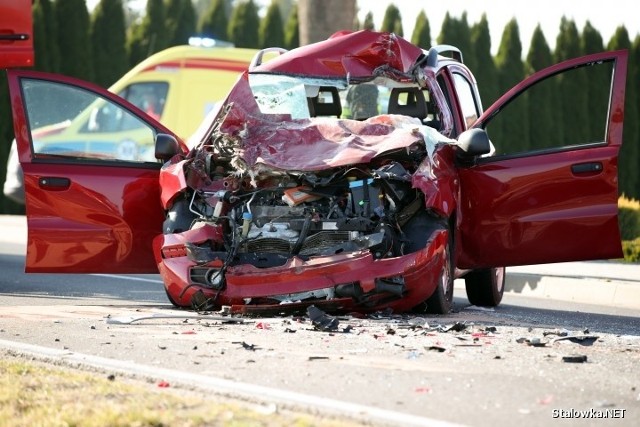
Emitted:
<point x="279" y="209"/>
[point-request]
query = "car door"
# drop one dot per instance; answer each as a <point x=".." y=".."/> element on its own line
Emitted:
<point x="556" y="201"/>
<point x="91" y="179"/>
<point x="16" y="29"/>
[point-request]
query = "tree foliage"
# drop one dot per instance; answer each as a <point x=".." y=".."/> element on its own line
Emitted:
<point x="45" y="37"/>
<point x="148" y="36"/>
<point x="292" y="29"/>
<point x="421" y="31"/>
<point x="368" y="23"/>
<point x="244" y="24"/>
<point x="511" y="132"/>
<point x="485" y="71"/>
<point x="108" y="39"/>
<point x="73" y="17"/>
<point x="181" y="21"/>
<point x="214" y="21"/>
<point x="541" y="117"/>
<point x="271" y="27"/>
<point x="392" y="20"/>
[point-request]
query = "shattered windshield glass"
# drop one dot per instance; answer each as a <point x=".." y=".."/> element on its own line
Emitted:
<point x="278" y="94"/>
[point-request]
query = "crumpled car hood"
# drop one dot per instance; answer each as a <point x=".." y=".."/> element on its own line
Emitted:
<point x="368" y="52"/>
<point x="319" y="143"/>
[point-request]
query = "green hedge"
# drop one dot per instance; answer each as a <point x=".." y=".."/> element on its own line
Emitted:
<point x="629" y="221"/>
<point x="631" y="250"/>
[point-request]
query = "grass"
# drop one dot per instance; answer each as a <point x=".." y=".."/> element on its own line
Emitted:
<point x="36" y="394"/>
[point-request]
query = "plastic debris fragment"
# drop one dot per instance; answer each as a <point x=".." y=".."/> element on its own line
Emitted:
<point x="321" y="320"/>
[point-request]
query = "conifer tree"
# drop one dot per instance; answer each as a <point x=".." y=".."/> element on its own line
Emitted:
<point x="597" y="86"/>
<point x="368" y="23"/>
<point x="422" y="31"/>
<point x="243" y="25"/>
<point x="629" y="153"/>
<point x="392" y="21"/>
<point x="214" y="22"/>
<point x="72" y="19"/>
<point x="573" y="103"/>
<point x="456" y="32"/>
<point x="181" y="22"/>
<point x="512" y="124"/>
<point x="148" y="36"/>
<point x="45" y="36"/>
<point x="485" y="71"/>
<point x="542" y="96"/>
<point x="271" y="27"/>
<point x="108" y="37"/>
<point x="292" y="29"/>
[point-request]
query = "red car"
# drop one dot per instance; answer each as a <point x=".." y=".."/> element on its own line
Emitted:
<point x="294" y="194"/>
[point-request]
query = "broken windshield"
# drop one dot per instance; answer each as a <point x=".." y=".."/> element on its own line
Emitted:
<point x="278" y="94"/>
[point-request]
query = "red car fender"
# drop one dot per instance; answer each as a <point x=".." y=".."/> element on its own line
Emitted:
<point x="172" y="181"/>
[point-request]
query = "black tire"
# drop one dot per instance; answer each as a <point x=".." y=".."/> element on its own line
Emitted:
<point x="171" y="300"/>
<point x="485" y="287"/>
<point x="442" y="299"/>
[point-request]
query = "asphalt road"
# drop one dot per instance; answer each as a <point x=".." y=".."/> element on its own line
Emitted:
<point x="387" y="370"/>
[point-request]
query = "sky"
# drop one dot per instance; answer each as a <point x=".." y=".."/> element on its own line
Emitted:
<point x="604" y="15"/>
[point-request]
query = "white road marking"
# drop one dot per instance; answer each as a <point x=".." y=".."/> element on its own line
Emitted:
<point x="135" y="279"/>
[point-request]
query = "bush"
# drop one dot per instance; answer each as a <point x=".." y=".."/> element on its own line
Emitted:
<point x="629" y="218"/>
<point x="631" y="250"/>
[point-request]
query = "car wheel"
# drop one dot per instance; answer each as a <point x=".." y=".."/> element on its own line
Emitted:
<point x="485" y="287"/>
<point x="442" y="299"/>
<point x="171" y="300"/>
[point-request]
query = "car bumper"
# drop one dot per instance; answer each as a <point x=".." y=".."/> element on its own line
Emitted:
<point x="346" y="282"/>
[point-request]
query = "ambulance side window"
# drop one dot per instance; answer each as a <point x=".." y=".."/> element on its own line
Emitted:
<point x="150" y="97"/>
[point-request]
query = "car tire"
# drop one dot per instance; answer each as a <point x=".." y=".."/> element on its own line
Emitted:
<point x="171" y="300"/>
<point x="442" y="299"/>
<point x="485" y="287"/>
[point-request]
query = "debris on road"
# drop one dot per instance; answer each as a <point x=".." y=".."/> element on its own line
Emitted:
<point x="585" y="340"/>
<point x="321" y="320"/>
<point x="575" y="358"/>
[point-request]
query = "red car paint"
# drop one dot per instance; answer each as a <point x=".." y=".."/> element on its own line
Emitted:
<point x="16" y="34"/>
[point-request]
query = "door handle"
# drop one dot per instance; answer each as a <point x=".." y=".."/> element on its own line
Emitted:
<point x="582" y="168"/>
<point x="54" y="183"/>
<point x="14" y="37"/>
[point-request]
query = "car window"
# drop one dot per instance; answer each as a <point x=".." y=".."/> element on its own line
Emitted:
<point x="67" y="121"/>
<point x="561" y="111"/>
<point x="466" y="99"/>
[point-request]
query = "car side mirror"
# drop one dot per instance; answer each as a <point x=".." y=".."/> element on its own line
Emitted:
<point x="166" y="147"/>
<point x="474" y="142"/>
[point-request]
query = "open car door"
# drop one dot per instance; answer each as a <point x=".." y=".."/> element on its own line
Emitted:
<point x="91" y="178"/>
<point x="557" y="201"/>
<point x="16" y="29"/>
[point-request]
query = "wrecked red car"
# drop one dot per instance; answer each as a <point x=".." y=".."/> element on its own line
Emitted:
<point x="354" y="174"/>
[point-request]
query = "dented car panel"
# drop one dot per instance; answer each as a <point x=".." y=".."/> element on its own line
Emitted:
<point x="291" y="199"/>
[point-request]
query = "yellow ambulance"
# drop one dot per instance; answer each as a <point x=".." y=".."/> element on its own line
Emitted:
<point x="180" y="85"/>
